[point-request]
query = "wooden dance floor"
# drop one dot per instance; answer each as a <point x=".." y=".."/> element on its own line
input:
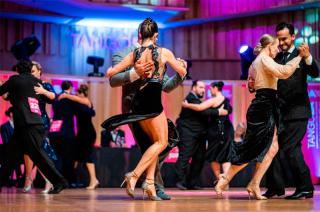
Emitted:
<point x="110" y="199"/>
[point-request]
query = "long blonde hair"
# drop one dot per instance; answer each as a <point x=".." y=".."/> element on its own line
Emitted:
<point x="265" y="40"/>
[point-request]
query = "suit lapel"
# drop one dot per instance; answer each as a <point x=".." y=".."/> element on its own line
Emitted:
<point x="293" y="55"/>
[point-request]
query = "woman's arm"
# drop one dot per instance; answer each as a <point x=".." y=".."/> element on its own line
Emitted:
<point x="179" y="66"/>
<point x="83" y="101"/>
<point x="212" y="102"/>
<point x="125" y="63"/>
<point x="41" y="91"/>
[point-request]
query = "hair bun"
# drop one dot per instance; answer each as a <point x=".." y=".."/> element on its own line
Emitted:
<point x="257" y="49"/>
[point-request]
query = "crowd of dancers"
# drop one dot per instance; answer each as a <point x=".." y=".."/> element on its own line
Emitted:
<point x="276" y="120"/>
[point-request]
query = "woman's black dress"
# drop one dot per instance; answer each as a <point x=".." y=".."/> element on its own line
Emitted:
<point x="261" y="122"/>
<point x="220" y="137"/>
<point x="86" y="136"/>
<point x="46" y="120"/>
<point x="147" y="101"/>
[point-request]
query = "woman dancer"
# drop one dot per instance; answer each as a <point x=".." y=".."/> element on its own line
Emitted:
<point x="48" y="95"/>
<point x="220" y="131"/>
<point x="260" y="142"/>
<point x="86" y="136"/>
<point x="147" y="108"/>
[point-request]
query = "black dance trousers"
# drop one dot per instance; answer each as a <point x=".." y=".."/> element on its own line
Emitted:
<point x="290" y="140"/>
<point x="29" y="140"/>
<point x="191" y="146"/>
<point x="65" y="151"/>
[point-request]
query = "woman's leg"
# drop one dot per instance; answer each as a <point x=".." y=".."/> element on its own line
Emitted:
<point x="150" y="177"/>
<point x="262" y="167"/>
<point x="225" y="178"/>
<point x="28" y="170"/>
<point x="92" y="173"/>
<point x="225" y="167"/>
<point x="157" y="129"/>
<point x="215" y="166"/>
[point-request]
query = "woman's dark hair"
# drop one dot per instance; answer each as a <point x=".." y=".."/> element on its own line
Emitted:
<point x="66" y="85"/>
<point x="284" y="25"/>
<point x="84" y="89"/>
<point x="23" y="66"/>
<point x="148" y="28"/>
<point x="218" y="84"/>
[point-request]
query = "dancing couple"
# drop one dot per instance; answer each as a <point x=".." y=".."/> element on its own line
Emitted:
<point x="260" y="143"/>
<point x="146" y="105"/>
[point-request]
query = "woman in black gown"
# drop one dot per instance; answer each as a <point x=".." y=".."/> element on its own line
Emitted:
<point x="86" y="136"/>
<point x="147" y="107"/>
<point x="220" y="130"/>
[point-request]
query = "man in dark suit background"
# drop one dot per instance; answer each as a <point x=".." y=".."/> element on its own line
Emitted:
<point x="192" y="127"/>
<point x="113" y="139"/>
<point x="295" y="110"/>
<point x="62" y="140"/>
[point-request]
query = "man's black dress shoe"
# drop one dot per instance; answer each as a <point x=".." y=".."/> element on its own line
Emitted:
<point x="271" y="193"/>
<point x="58" y="187"/>
<point x="161" y="192"/>
<point x="300" y="195"/>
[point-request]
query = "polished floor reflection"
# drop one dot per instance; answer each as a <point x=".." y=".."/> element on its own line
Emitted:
<point x="108" y="199"/>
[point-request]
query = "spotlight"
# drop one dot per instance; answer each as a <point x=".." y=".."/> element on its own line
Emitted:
<point x="96" y="62"/>
<point x="24" y="48"/>
<point x="247" y="57"/>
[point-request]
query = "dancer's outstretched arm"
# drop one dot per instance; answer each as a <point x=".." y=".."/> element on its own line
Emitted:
<point x="212" y="102"/>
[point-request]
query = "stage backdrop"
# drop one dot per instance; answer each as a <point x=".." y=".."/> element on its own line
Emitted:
<point x="107" y="102"/>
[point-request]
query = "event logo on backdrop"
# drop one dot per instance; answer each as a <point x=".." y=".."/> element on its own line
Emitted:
<point x="310" y="145"/>
<point x="103" y="38"/>
<point x="99" y="42"/>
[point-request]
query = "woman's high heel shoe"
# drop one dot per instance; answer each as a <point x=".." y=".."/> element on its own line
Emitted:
<point x="255" y="191"/>
<point x="93" y="186"/>
<point x="48" y="187"/>
<point x="222" y="185"/>
<point x="127" y="179"/>
<point x="28" y="187"/>
<point x="146" y="189"/>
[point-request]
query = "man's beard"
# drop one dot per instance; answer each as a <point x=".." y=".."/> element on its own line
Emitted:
<point x="200" y="96"/>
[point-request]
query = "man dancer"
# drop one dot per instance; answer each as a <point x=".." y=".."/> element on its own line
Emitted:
<point x="62" y="140"/>
<point x="29" y="130"/>
<point x="131" y="82"/>
<point x="295" y="110"/>
<point x="192" y="127"/>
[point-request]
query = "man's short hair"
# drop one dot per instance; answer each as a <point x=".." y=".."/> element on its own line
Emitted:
<point x="284" y="25"/>
<point x="23" y="66"/>
<point x="194" y="83"/>
<point x="66" y="85"/>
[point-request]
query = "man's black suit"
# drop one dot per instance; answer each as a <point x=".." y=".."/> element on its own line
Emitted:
<point x="192" y="128"/>
<point x="63" y="140"/>
<point x="28" y="128"/>
<point x="294" y="112"/>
